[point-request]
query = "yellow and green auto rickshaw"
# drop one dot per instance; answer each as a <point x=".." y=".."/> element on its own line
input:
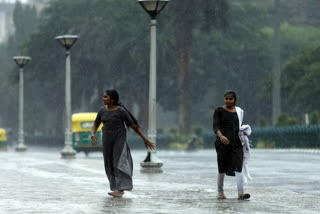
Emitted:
<point x="3" y="140"/>
<point x="81" y="132"/>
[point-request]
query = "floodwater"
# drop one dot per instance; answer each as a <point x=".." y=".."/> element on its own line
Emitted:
<point x="39" y="181"/>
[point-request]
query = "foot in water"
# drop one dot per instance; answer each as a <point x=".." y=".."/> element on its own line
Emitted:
<point x="116" y="194"/>
<point x="221" y="195"/>
<point x="244" y="196"/>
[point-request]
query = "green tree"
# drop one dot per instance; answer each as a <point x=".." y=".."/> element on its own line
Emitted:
<point x="112" y="52"/>
<point x="112" y="56"/>
<point x="198" y="58"/>
<point x="124" y="43"/>
<point x="186" y="19"/>
<point x="300" y="82"/>
<point x="25" y="20"/>
<point x="8" y="90"/>
<point x="314" y="117"/>
<point x="285" y="120"/>
<point x="237" y="58"/>
<point x="294" y="43"/>
<point x="312" y="12"/>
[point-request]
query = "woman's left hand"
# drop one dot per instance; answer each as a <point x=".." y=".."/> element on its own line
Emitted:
<point x="149" y="145"/>
<point x="94" y="140"/>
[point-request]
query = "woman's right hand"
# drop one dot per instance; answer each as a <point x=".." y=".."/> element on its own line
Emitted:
<point x="94" y="140"/>
<point x="224" y="140"/>
<point x="149" y="145"/>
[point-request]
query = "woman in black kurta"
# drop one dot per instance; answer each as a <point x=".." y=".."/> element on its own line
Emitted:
<point x="117" y="157"/>
<point x="230" y="156"/>
<point x="228" y="145"/>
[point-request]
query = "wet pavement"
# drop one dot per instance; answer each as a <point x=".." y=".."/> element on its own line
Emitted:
<point x="38" y="181"/>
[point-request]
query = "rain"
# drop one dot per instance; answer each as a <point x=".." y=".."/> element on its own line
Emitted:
<point x="171" y="66"/>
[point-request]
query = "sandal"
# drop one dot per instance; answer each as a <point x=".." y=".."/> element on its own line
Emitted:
<point x="221" y="196"/>
<point x="244" y="196"/>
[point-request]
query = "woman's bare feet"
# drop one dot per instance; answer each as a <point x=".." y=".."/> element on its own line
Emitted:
<point x="221" y="195"/>
<point x="116" y="194"/>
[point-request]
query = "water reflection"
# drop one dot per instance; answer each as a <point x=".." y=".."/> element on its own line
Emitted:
<point x="151" y="170"/>
<point x="110" y="202"/>
<point x="232" y="205"/>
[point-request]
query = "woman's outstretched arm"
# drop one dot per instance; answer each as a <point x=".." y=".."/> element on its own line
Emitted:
<point x="147" y="143"/>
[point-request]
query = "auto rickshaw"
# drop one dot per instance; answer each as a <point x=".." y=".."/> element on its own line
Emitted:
<point x="3" y="140"/>
<point x="81" y="132"/>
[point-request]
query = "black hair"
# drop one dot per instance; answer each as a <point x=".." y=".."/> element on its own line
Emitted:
<point x="232" y="93"/>
<point x="114" y="95"/>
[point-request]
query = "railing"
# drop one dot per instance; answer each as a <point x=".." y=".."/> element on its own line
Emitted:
<point x="47" y="141"/>
<point x="288" y="136"/>
<point x="279" y="137"/>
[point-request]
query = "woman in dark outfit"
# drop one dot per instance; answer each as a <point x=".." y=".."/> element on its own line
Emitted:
<point x="228" y="145"/>
<point x="117" y="157"/>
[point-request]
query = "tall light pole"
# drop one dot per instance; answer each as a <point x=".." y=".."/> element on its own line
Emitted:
<point x="67" y="41"/>
<point x="153" y="8"/>
<point x="21" y="61"/>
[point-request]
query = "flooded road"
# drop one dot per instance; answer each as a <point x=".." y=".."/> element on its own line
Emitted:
<point x="38" y="181"/>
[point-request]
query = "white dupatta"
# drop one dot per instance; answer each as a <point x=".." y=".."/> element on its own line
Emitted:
<point x="245" y="143"/>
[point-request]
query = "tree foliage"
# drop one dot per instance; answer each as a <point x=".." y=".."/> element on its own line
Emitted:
<point x="314" y="118"/>
<point x="286" y="120"/>
<point x="203" y="50"/>
<point x="25" y="21"/>
<point x="300" y="83"/>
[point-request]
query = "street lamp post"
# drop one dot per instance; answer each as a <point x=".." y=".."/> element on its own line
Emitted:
<point x="21" y="61"/>
<point x="67" y="41"/>
<point x="153" y="8"/>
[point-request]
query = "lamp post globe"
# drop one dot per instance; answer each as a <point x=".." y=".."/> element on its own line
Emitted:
<point x="21" y="61"/>
<point x="67" y="41"/>
<point x="153" y="8"/>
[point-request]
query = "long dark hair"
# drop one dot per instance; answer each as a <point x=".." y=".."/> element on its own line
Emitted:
<point x="114" y="95"/>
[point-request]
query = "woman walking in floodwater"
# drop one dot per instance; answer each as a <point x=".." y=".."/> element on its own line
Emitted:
<point x="226" y="125"/>
<point x="116" y="153"/>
